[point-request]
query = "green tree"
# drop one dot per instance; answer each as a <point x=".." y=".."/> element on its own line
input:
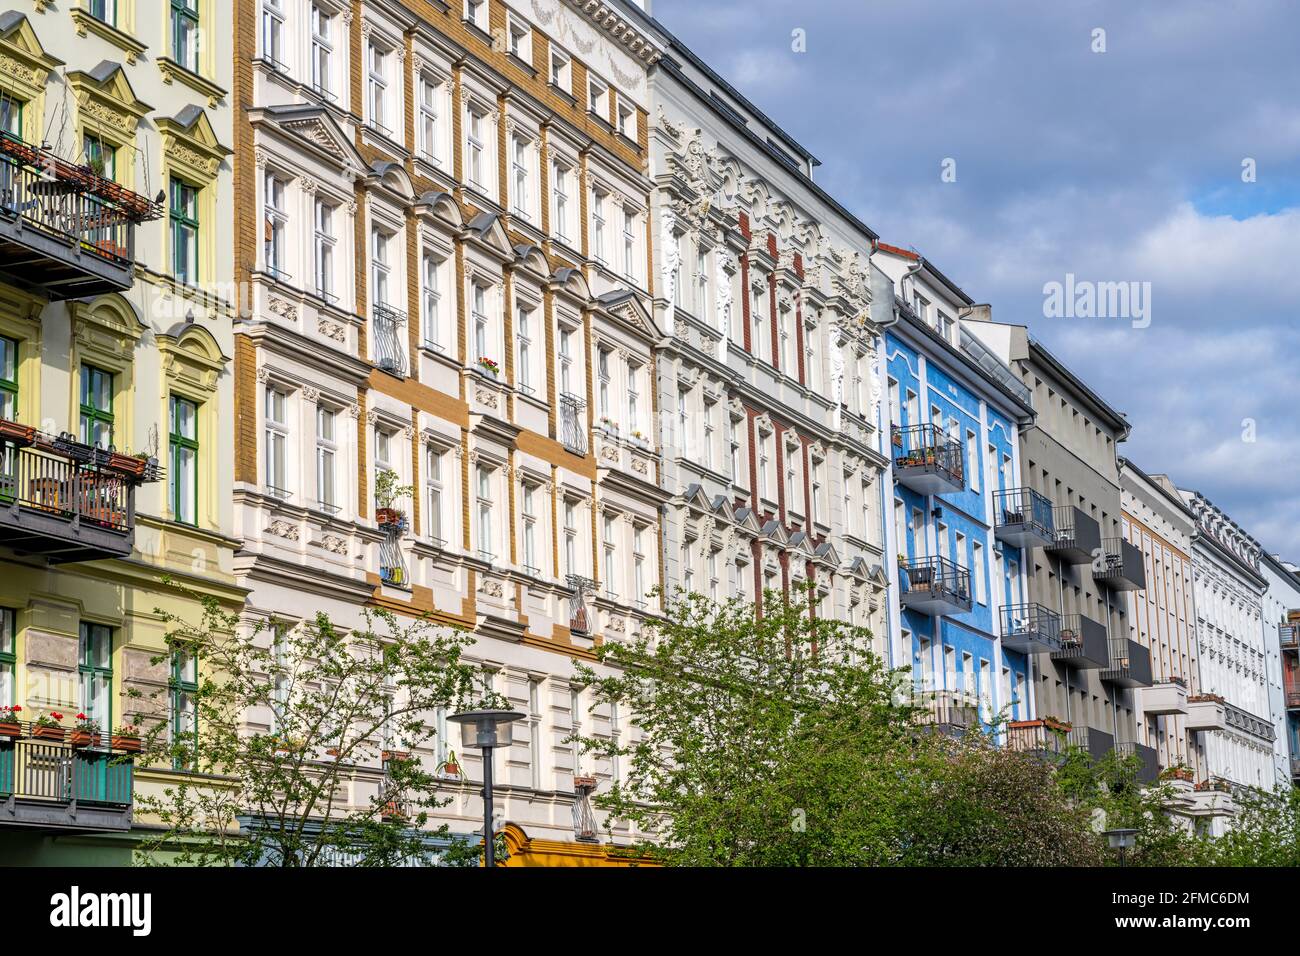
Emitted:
<point x="345" y="706"/>
<point x="1265" y="831"/>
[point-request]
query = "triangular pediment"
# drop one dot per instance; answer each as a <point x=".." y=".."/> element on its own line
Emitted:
<point x="316" y="126"/>
<point x="24" y="64"/>
<point x="625" y="306"/>
<point x="191" y="143"/>
<point x="486" y="230"/>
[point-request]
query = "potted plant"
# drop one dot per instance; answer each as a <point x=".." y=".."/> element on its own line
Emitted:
<point x="387" y="493"/>
<point x="85" y="733"/>
<point x="608" y="424"/>
<point x="10" y="725"/>
<point x="127" y="738"/>
<point x="584" y="783"/>
<point x="451" y="766"/>
<point x="133" y="465"/>
<point x="47" y="726"/>
<point x="1178" y="772"/>
<point x="488" y="366"/>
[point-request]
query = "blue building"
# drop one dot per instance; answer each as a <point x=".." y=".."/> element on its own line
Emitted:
<point x="955" y="415"/>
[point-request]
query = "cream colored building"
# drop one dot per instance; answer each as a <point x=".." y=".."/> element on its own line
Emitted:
<point x="114" y="334"/>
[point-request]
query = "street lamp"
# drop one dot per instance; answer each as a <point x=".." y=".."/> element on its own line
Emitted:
<point x="491" y="729"/>
<point x="1121" y="840"/>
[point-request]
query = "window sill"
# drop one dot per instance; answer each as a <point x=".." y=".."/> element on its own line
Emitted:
<point x="563" y="94"/>
<point x="171" y="70"/>
<point x="477" y="31"/>
<point x="123" y="41"/>
<point x="522" y="64"/>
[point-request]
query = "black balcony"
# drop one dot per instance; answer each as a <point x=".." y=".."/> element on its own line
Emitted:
<point x="573" y="423"/>
<point x="64" y="500"/>
<point x="1129" y="665"/>
<point x="1083" y="643"/>
<point x="1122" y="568"/>
<point x="1149" y="766"/>
<point x="1288" y="636"/>
<point x="926" y="460"/>
<point x="65" y="232"/>
<point x="1096" y="742"/>
<point x="388" y="348"/>
<point x="52" y="785"/>
<point x="1030" y="629"/>
<point x="1076" y="536"/>
<point x="1023" y="518"/>
<point x="934" y="586"/>
<point x="948" y="711"/>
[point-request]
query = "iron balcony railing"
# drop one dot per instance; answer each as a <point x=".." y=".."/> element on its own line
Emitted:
<point x="392" y="562"/>
<point x="1129" y="663"/>
<point x="584" y="820"/>
<point x="1149" y="760"/>
<point x="928" y="448"/>
<point x="1023" y="512"/>
<point x="579" y="614"/>
<point x="388" y="351"/>
<point x="1083" y="642"/>
<point x="1288" y="636"/>
<point x="46" y="482"/>
<point x="936" y="578"/>
<point x="39" y="770"/>
<point x="573" y="423"/>
<point x="952" y="711"/>
<point x="1030" y="627"/>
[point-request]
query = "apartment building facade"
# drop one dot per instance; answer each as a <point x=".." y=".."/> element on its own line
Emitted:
<point x="954" y="449"/>
<point x="1081" y="565"/>
<point x="443" y="218"/>
<point x="768" y="380"/>
<point x="1281" y="629"/>
<point x="1229" y="587"/>
<point x="116" y="399"/>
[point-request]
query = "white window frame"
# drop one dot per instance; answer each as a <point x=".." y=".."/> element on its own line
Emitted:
<point x="275" y="476"/>
<point x="327" y="471"/>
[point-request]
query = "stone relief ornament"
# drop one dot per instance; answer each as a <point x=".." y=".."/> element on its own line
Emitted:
<point x="334" y="544"/>
<point x="492" y="588"/>
<point x="282" y="529"/>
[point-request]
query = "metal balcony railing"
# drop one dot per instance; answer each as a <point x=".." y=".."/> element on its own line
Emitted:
<point x="573" y="423"/>
<point x="936" y="585"/>
<point x="1030" y="628"/>
<point x="1121" y="565"/>
<point x="46" y="482"/>
<point x="927" y="460"/>
<point x="1288" y="636"/>
<point x="34" y="770"/>
<point x="584" y="820"/>
<point x="1023" y="517"/>
<point x="392" y="562"/>
<point x="579" y="614"/>
<point x="1036" y="736"/>
<point x="1076" y="536"/>
<point x="387" y="350"/>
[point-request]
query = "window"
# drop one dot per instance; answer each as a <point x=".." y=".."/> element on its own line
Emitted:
<point x="100" y="156"/>
<point x="273" y="33"/>
<point x="683" y="416"/>
<point x="598" y="97"/>
<point x="433" y="320"/>
<point x="96" y="406"/>
<point x="688" y="572"/>
<point x="103" y="10"/>
<point x="560" y="200"/>
<point x="764" y="464"/>
<point x="701" y="283"/>
<point x="812" y="356"/>
<point x="710" y="413"/>
<point x="326" y="458"/>
<point x="630" y="270"/>
<point x="972" y="460"/>
<point x="277" y="443"/>
<point x="977" y="571"/>
<point x="633" y="398"/>
<point x="184" y="709"/>
<point x="185" y="33"/>
<point x="479" y="309"/>
<point x="183" y="475"/>
<point x="818" y="489"/>
<point x="570" y="536"/>
<point x="604" y="381"/>
<point x="520" y="179"/>
<point x="324" y="251"/>
<point x="377" y="87"/>
<point x="476" y="12"/>
<point x="528" y="526"/>
<point x="430" y="142"/>
<point x="434" y="492"/>
<point x="626" y="119"/>
<point x="95" y="674"/>
<point x="486" y="542"/>
<point x="279" y="675"/>
<point x="575" y="726"/>
<point x="792" y="502"/>
<point x="733" y="446"/>
<point x="566" y="361"/>
<point x="322" y="51"/>
<point x="276" y="221"/>
<point x="598" y="226"/>
<point x="380" y="270"/>
<point x="760" y="316"/>
<point x="609" y="545"/>
<point x="8" y="657"/>
<point x="524" y="344"/>
<point x="640" y="586"/>
<point x="561" y="74"/>
<point x="475" y="147"/>
<point x="535" y="731"/>
<point x="184" y="215"/>
<point x="520" y="38"/>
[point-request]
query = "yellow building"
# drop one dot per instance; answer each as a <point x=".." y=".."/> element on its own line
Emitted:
<point x="115" y="399"/>
<point x="524" y="851"/>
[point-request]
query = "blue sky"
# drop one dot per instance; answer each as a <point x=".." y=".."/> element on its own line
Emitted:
<point x="1123" y="165"/>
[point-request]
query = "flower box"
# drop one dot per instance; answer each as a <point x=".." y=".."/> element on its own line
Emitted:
<point x="127" y="744"/>
<point x="11" y="729"/>
<point x="584" y="783"/>
<point x="19" y="434"/>
<point x="388" y="516"/>
<point x="127" y="464"/>
<point x="46" y="732"/>
<point x="83" y="738"/>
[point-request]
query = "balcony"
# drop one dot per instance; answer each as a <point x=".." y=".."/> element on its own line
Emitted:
<point x="573" y="423"/>
<point x="65" y="232"/>
<point x="1206" y="712"/>
<point x="1083" y="643"/>
<point x="52" y="785"/>
<point x="1129" y="665"/>
<point x="387" y="349"/>
<point x="392" y="561"/>
<point x="1076" y="537"/>
<point x="926" y="460"/>
<point x="64" y="500"/>
<point x="1096" y="742"/>
<point x="1122" y="568"/>
<point x="951" y="712"/>
<point x="1023" y="518"/>
<point x="1293" y="698"/>
<point x="580" y="616"/>
<point x="1045" y="737"/>
<point x="1164" y="698"/>
<point x="1030" y="629"/>
<point x="934" y="586"/>
<point x="1288" y="635"/>
<point x="1149" y="768"/>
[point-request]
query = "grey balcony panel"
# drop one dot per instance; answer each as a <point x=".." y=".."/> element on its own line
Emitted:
<point x="1130" y="664"/>
<point x="1083" y="643"/>
<point x="1121" y="567"/>
<point x="1076" y="536"/>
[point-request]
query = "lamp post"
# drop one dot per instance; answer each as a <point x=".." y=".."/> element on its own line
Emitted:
<point x="491" y="729"/>
<point x="1121" y="840"/>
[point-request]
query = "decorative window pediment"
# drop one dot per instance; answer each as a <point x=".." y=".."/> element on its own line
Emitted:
<point x="108" y="105"/>
<point x="24" y="64"/>
<point x="107" y="330"/>
<point x="191" y="145"/>
<point x="192" y="358"/>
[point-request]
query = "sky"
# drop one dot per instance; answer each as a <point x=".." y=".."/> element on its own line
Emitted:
<point x="1114" y="156"/>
